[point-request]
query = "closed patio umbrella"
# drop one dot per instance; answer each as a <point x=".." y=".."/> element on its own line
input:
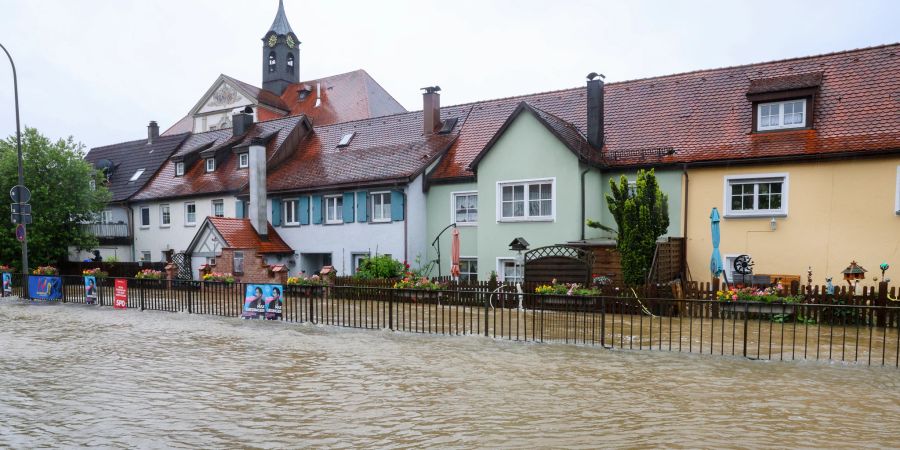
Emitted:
<point x="715" y="262"/>
<point x="454" y="253"/>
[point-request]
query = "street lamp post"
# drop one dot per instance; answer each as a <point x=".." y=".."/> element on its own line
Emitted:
<point x="19" y="150"/>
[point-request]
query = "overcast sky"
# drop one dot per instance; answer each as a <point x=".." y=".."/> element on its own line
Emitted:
<point x="99" y="70"/>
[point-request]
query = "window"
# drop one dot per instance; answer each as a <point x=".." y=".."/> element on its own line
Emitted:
<point x="358" y="259"/>
<point x="345" y="139"/>
<point x="244" y="160"/>
<point x="190" y="214"/>
<point x="510" y="271"/>
<point x="238" y="262"/>
<point x="145" y="256"/>
<point x="465" y="208"/>
<point x="218" y="207"/>
<point x="271" y="62"/>
<point x="137" y="174"/>
<point x="210" y="164"/>
<point x="290" y="63"/>
<point x="179" y="169"/>
<point x="106" y="216"/>
<point x="145" y="217"/>
<point x="381" y="206"/>
<point x="531" y="200"/>
<point x="334" y="209"/>
<point x="780" y="115"/>
<point x="756" y="195"/>
<point x="728" y="267"/>
<point x="210" y="260"/>
<point x="468" y="269"/>
<point x="165" y="216"/>
<point x="290" y="212"/>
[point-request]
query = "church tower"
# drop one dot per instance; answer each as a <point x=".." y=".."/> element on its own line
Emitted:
<point x="280" y="54"/>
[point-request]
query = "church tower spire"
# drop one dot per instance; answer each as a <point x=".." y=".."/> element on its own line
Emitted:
<point x="280" y="54"/>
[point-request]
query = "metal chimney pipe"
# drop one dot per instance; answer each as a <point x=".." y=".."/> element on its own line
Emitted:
<point x="595" y="110"/>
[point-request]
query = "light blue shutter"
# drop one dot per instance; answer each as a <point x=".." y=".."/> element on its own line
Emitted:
<point x="317" y="209"/>
<point x="239" y="209"/>
<point x="304" y="210"/>
<point x="276" y="212"/>
<point x="362" y="207"/>
<point x="396" y="205"/>
<point x="348" y="207"/>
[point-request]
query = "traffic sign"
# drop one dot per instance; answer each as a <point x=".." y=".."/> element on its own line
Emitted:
<point x="21" y="208"/>
<point x="20" y="218"/>
<point x="20" y="232"/>
<point x="20" y="194"/>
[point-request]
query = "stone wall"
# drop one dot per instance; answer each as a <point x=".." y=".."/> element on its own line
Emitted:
<point x="255" y="268"/>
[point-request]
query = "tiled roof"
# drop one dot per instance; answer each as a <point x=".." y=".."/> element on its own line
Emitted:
<point x="706" y="116"/>
<point x="129" y="157"/>
<point x="391" y="148"/>
<point x="785" y="83"/>
<point x="239" y="233"/>
<point x="227" y="177"/>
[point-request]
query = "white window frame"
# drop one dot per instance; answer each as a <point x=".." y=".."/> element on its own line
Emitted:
<point x="218" y="202"/>
<point x="453" y="196"/>
<point x="526" y="183"/>
<point x="137" y="174"/>
<point x="386" y="215"/>
<point x="106" y="216"/>
<point x="148" y="254"/>
<point x="338" y="209"/>
<point x="729" y="268"/>
<point x="179" y="169"/>
<point x="149" y="219"/>
<point x="210" y="165"/>
<point x="292" y="205"/>
<point x="757" y="178"/>
<point x="187" y="215"/>
<point x="501" y="260"/>
<point x="165" y="216"/>
<point x="469" y="259"/>
<point x="237" y="256"/>
<point x="897" y="201"/>
<point x="243" y="160"/>
<point x="781" y="125"/>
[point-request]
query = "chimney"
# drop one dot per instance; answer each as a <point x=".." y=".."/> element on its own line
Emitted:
<point x="152" y="132"/>
<point x="595" y="109"/>
<point x="241" y="122"/>
<point x="431" y="108"/>
<point x="257" y="213"/>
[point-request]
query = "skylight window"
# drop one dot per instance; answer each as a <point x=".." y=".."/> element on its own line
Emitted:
<point x="136" y="175"/>
<point x="345" y="140"/>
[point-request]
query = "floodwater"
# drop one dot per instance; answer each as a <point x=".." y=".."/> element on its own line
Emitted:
<point x="75" y="375"/>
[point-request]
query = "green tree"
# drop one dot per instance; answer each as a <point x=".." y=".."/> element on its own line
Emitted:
<point x="641" y="215"/>
<point x="62" y="196"/>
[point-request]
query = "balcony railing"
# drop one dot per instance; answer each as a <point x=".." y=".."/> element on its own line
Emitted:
<point x="107" y="230"/>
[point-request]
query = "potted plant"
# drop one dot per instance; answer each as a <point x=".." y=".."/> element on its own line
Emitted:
<point x="95" y="272"/>
<point x="418" y="288"/>
<point x="45" y="270"/>
<point x="150" y="277"/>
<point x="758" y="301"/>
<point x="305" y="286"/>
<point x="218" y="277"/>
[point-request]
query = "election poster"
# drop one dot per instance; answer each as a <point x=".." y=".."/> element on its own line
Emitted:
<point x="44" y="288"/>
<point x="120" y="294"/>
<point x="90" y="290"/>
<point x="263" y="301"/>
<point x="7" y="284"/>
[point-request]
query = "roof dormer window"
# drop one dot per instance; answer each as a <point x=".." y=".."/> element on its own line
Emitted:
<point x="244" y="160"/>
<point x="210" y="164"/>
<point x="345" y="139"/>
<point x="179" y="169"/>
<point x="781" y="115"/>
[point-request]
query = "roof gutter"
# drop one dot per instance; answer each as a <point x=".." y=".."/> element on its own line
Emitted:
<point x="763" y="160"/>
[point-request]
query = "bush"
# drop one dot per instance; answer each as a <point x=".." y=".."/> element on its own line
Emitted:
<point x="45" y="270"/>
<point x="381" y="266"/>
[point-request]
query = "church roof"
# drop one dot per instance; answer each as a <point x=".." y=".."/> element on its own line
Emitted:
<point x="280" y="25"/>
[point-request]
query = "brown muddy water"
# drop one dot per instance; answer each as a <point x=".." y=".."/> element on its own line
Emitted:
<point x="73" y="375"/>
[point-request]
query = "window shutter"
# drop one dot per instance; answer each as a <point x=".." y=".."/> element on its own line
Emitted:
<point x="362" y="207"/>
<point x="303" y="204"/>
<point x="239" y="209"/>
<point x="348" y="207"/>
<point x="276" y="212"/>
<point x="317" y="209"/>
<point x="396" y="205"/>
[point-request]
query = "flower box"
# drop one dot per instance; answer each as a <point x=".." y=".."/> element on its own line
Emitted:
<point x="759" y="308"/>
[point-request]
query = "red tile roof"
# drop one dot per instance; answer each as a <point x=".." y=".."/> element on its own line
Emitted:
<point x="239" y="233"/>
<point x="706" y="116"/>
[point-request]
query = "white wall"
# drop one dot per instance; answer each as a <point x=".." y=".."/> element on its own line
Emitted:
<point x="121" y="252"/>
<point x="177" y="235"/>
<point x="416" y="215"/>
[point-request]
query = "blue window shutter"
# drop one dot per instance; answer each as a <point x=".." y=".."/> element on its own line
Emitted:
<point x="239" y="209"/>
<point x="276" y="212"/>
<point x="303" y="204"/>
<point x="348" y="207"/>
<point x="362" y="206"/>
<point x="396" y="205"/>
<point x="317" y="209"/>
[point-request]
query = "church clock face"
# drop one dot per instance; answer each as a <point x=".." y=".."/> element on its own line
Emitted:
<point x="273" y="39"/>
<point x="290" y="42"/>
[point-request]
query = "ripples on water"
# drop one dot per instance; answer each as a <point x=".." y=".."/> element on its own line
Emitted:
<point x="72" y="375"/>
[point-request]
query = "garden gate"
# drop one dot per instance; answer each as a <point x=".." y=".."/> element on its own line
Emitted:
<point x="183" y="261"/>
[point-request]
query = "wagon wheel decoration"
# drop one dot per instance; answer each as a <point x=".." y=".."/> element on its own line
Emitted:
<point x="743" y="265"/>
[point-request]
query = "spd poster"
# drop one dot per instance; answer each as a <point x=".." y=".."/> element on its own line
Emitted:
<point x="120" y="294"/>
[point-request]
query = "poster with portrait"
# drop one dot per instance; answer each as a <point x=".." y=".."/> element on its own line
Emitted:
<point x="7" y="284"/>
<point x="263" y="301"/>
<point x="44" y="288"/>
<point x="90" y="290"/>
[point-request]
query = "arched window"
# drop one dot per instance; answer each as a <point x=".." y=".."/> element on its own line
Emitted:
<point x="271" y="61"/>
<point x="290" y="63"/>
